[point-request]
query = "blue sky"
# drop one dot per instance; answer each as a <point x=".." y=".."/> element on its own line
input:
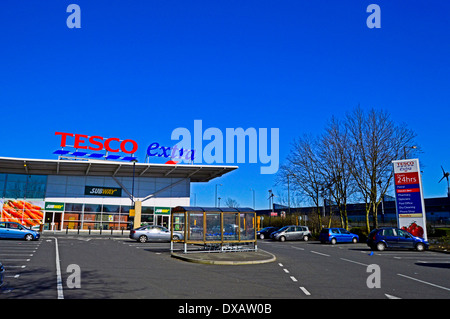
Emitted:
<point x="139" y="69"/>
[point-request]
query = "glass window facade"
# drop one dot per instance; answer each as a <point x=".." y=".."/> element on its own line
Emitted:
<point x="96" y="216"/>
<point x="18" y="186"/>
<point x="23" y="199"/>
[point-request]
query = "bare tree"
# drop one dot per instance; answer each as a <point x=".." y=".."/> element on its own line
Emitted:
<point x="333" y="152"/>
<point x="350" y="161"/>
<point x="231" y="203"/>
<point x="374" y="142"/>
<point x="303" y="170"/>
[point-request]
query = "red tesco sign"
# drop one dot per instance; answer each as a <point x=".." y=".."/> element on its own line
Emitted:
<point x="98" y="143"/>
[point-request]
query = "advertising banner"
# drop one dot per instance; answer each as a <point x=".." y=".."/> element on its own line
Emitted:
<point x="25" y="212"/>
<point x="409" y="197"/>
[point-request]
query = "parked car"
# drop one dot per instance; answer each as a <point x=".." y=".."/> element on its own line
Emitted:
<point x="153" y="233"/>
<point x="2" y="274"/>
<point x="391" y="237"/>
<point x="292" y="233"/>
<point x="337" y="235"/>
<point x="15" y="230"/>
<point x="266" y="232"/>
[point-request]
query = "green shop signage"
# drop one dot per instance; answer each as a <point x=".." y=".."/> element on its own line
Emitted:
<point x="58" y="207"/>
<point x="162" y="210"/>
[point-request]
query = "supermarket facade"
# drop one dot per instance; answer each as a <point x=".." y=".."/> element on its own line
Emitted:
<point x="92" y="194"/>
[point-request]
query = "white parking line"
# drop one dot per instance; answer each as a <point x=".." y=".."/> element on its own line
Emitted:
<point x="315" y="252"/>
<point x="355" y="262"/>
<point x="285" y="270"/>
<point x="59" y="286"/>
<point x="7" y="255"/>
<point x="306" y="292"/>
<point x="425" y="282"/>
<point x="293" y="279"/>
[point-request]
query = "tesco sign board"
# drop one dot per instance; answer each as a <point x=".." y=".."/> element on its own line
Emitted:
<point x="84" y="144"/>
<point x="98" y="143"/>
<point x="409" y="200"/>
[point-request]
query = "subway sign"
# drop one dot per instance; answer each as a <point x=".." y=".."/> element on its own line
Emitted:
<point x="162" y="210"/>
<point x="59" y="207"/>
<point x="102" y="191"/>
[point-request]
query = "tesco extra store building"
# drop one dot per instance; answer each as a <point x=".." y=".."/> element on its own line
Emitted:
<point x="96" y="194"/>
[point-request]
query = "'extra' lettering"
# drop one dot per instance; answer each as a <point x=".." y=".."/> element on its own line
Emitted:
<point x="155" y="149"/>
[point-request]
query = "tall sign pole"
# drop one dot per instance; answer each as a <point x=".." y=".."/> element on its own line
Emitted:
<point x="409" y="197"/>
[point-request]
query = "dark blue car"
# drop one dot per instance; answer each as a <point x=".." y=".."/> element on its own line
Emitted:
<point x="391" y="237"/>
<point x="337" y="235"/>
<point x="265" y="232"/>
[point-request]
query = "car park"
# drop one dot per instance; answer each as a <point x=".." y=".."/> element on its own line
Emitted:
<point x="292" y="232"/>
<point x="391" y="237"/>
<point x="266" y="232"/>
<point x="13" y="230"/>
<point x="337" y="235"/>
<point x="153" y="233"/>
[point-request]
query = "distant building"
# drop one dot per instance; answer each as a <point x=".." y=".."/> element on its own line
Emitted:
<point x="437" y="211"/>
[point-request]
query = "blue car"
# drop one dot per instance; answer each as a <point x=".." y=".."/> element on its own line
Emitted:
<point x="15" y="230"/>
<point x="337" y="235"/>
<point x="391" y="237"/>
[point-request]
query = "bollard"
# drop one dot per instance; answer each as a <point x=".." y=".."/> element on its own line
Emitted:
<point x="89" y="230"/>
<point x="67" y="229"/>
<point x="122" y="230"/>
<point x="111" y="230"/>
<point x="78" y="232"/>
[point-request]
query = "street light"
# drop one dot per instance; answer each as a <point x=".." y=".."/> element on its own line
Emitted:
<point x="215" y="197"/>
<point x="251" y="189"/>
<point x="405" y="147"/>
<point x="289" y="194"/>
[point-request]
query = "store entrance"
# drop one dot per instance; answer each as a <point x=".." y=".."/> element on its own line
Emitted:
<point x="162" y="220"/>
<point x="52" y="220"/>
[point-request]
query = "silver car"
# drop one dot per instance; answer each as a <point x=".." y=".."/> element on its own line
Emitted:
<point x="292" y="233"/>
<point x="153" y="233"/>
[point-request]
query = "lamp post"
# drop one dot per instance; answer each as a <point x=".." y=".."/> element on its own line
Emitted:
<point x="132" y="186"/>
<point x="215" y="197"/>
<point x="251" y="189"/>
<point x="405" y="147"/>
<point x="289" y="194"/>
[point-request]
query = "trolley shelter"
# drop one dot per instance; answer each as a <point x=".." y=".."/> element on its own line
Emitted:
<point x="215" y="229"/>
